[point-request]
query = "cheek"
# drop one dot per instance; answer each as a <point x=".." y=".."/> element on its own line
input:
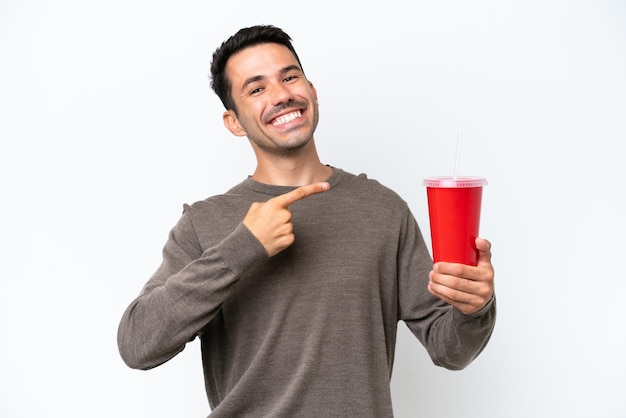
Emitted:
<point x="255" y="113"/>
<point x="248" y="116"/>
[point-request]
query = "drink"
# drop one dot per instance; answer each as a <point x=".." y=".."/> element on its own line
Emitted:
<point x="454" y="209"/>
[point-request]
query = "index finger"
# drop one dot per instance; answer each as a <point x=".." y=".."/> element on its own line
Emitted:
<point x="300" y="193"/>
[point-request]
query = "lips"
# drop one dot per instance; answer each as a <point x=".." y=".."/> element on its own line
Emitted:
<point x="288" y="117"/>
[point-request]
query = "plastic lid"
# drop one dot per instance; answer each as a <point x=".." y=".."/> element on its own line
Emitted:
<point x="451" y="182"/>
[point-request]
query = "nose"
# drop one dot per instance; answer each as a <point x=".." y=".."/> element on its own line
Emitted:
<point x="281" y="94"/>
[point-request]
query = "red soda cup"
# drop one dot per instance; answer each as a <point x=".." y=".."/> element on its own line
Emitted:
<point x="454" y="205"/>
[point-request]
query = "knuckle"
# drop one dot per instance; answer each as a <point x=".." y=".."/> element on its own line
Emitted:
<point x="299" y="194"/>
<point x="457" y="270"/>
<point x="454" y="295"/>
<point x="285" y="241"/>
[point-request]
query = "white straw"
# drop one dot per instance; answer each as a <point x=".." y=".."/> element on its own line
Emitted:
<point x="456" y="156"/>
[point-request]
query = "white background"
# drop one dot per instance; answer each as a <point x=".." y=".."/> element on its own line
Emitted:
<point x="108" y="125"/>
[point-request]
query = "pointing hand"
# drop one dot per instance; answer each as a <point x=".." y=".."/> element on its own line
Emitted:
<point x="270" y="221"/>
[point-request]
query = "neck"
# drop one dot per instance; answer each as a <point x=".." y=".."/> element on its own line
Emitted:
<point x="291" y="170"/>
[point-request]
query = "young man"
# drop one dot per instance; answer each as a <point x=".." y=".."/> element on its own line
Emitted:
<point x="295" y="279"/>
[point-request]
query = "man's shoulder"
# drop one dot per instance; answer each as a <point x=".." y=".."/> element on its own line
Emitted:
<point x="368" y="194"/>
<point x="362" y="183"/>
<point x="228" y="201"/>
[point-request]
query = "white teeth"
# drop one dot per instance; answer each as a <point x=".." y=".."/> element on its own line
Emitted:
<point x="286" y="118"/>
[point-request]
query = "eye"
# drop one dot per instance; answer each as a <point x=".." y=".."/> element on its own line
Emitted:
<point x="291" y="78"/>
<point x="255" y="89"/>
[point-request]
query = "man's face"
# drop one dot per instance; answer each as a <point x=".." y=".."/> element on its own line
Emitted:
<point x="277" y="106"/>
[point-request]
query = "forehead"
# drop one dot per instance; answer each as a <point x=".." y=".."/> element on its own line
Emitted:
<point x="263" y="60"/>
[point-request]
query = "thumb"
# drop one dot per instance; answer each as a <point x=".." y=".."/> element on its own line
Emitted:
<point x="484" y="250"/>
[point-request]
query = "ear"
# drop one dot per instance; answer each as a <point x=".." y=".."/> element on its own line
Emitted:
<point x="232" y="123"/>
<point x="313" y="90"/>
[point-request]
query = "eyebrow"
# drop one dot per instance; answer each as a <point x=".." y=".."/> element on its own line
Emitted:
<point x="283" y="71"/>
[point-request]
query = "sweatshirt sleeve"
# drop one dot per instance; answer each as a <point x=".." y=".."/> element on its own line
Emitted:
<point x="184" y="294"/>
<point x="452" y="339"/>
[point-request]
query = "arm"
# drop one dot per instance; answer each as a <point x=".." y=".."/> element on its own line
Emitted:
<point x="184" y="294"/>
<point x="452" y="338"/>
<point x="191" y="284"/>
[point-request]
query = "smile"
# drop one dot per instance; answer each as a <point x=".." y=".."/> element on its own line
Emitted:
<point x="281" y="120"/>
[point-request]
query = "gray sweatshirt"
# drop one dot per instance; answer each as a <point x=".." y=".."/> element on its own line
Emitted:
<point x="310" y="332"/>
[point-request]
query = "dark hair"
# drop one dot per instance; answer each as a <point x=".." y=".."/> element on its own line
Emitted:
<point x="244" y="38"/>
